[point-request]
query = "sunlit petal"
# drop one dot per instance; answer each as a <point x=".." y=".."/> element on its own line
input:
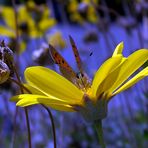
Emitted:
<point x="133" y="62"/>
<point x="8" y="16"/>
<point x="27" y="102"/>
<point x="57" y="106"/>
<point x="132" y="81"/>
<point x="110" y="79"/>
<point x="53" y="84"/>
<point x="106" y="68"/>
<point x="118" y="50"/>
<point x="5" y="31"/>
<point x="30" y="99"/>
<point x="46" y="24"/>
<point x="32" y="90"/>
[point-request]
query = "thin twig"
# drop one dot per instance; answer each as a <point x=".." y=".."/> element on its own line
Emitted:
<point x="52" y="123"/>
<point x="20" y="85"/>
<point x="16" y="25"/>
<point x="17" y="51"/>
<point x="110" y="10"/>
<point x="28" y="127"/>
<point x="103" y="30"/>
<point x="26" y="112"/>
<point x="49" y="112"/>
<point x="14" y="128"/>
<point x="18" y="78"/>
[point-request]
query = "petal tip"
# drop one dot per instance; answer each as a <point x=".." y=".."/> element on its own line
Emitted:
<point x="119" y="48"/>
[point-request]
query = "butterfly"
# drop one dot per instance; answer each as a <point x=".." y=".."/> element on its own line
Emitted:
<point x="80" y="79"/>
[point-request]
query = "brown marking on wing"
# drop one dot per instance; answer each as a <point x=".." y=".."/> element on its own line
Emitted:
<point x="82" y="79"/>
<point x="76" y="54"/>
<point x="58" y="59"/>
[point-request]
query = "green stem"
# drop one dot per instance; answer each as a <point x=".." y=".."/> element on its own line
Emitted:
<point x="98" y="127"/>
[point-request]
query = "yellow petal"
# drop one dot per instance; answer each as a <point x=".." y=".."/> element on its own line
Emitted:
<point x="60" y="107"/>
<point x="31" y="5"/>
<point x="118" y="50"/>
<point x="26" y="102"/>
<point x="132" y="81"/>
<point x="33" y="97"/>
<point x="110" y="79"/>
<point x="106" y="68"/>
<point x="4" y="31"/>
<point x="33" y="90"/>
<point x="53" y="84"/>
<point x="22" y="47"/>
<point x="23" y="14"/>
<point x="133" y="62"/>
<point x="30" y="99"/>
<point x="45" y="24"/>
<point x="9" y="17"/>
<point x="66" y="108"/>
<point x="34" y="33"/>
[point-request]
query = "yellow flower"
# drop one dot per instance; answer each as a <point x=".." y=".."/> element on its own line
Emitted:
<point x="33" y="28"/>
<point x="57" y="40"/>
<point x="51" y="89"/>
<point x="91" y="15"/>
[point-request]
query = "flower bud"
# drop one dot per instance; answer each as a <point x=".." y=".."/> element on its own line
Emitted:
<point x="6" y="55"/>
<point x="4" y="72"/>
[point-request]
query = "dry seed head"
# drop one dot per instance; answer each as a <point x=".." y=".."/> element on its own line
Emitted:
<point x="4" y="72"/>
<point x="6" y="55"/>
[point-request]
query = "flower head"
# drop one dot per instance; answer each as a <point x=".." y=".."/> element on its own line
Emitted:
<point x="51" y="89"/>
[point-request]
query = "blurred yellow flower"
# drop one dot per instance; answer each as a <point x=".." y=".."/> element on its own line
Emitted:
<point x="45" y="24"/>
<point x="33" y="22"/>
<point x="91" y="15"/>
<point x="4" y="31"/>
<point x="57" y="40"/>
<point x="51" y="89"/>
<point x="83" y="11"/>
<point x="27" y="23"/>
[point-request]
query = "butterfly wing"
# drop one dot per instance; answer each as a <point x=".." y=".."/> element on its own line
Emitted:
<point x="76" y="54"/>
<point x="83" y="79"/>
<point x="64" y="67"/>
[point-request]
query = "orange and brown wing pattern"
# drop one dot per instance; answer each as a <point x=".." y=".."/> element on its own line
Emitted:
<point x="76" y="54"/>
<point x="64" y="67"/>
<point x="82" y="78"/>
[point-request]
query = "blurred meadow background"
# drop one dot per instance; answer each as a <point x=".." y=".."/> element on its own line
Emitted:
<point x="97" y="26"/>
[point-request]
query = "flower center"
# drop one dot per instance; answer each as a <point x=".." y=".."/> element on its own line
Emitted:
<point x="83" y="82"/>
